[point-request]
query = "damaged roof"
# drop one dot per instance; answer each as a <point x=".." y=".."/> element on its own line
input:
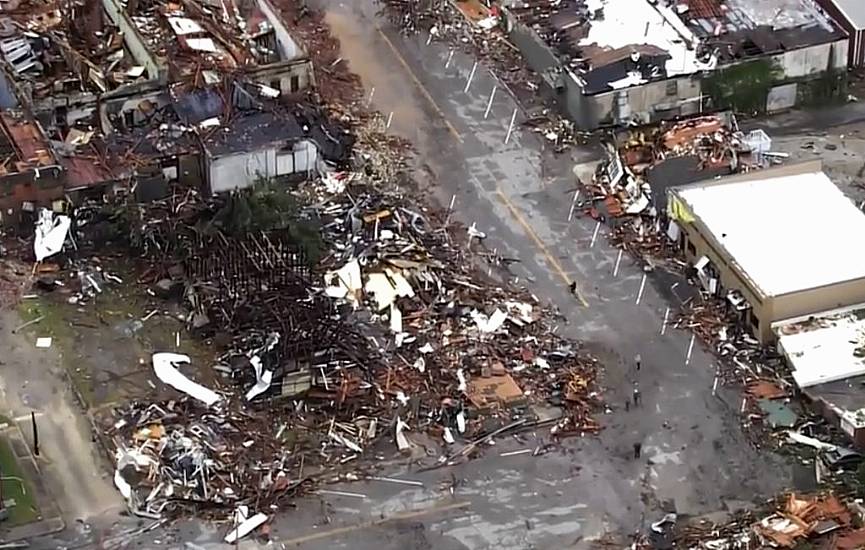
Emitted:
<point x="825" y="348"/>
<point x="614" y="44"/>
<point x="66" y="48"/>
<point x="23" y="145"/>
<point x="222" y="36"/>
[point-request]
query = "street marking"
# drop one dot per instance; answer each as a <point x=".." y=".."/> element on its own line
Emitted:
<point x="715" y="386"/>
<point x="490" y="102"/>
<point x="450" y="56"/>
<point x="511" y="126"/>
<point x="618" y="261"/>
<point x="420" y="85"/>
<point x="595" y="234"/>
<point x="371" y="94"/>
<point x="664" y="322"/>
<point x="552" y="260"/>
<point x="450" y="209"/>
<point x="387" y="126"/>
<point x="471" y="77"/>
<point x="573" y="204"/>
<point x="690" y="349"/>
<point x="642" y="286"/>
<point x="365" y="525"/>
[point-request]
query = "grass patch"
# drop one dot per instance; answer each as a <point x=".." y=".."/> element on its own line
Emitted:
<point x="17" y="489"/>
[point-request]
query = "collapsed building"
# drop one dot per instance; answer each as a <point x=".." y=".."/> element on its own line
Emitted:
<point x="97" y="84"/>
<point x="614" y="62"/>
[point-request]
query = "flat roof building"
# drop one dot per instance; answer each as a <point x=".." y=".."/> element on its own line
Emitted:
<point x="775" y="243"/>
<point x="826" y="353"/>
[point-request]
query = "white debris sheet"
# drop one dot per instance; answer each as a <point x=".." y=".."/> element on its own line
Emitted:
<point x="51" y="233"/>
<point x="245" y="525"/>
<point x="43" y="342"/>
<point x="165" y="369"/>
<point x="344" y="282"/>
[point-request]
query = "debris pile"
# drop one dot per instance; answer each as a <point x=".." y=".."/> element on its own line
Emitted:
<point x="396" y="341"/>
<point x="789" y="522"/>
<point x="630" y="188"/>
<point x="473" y="26"/>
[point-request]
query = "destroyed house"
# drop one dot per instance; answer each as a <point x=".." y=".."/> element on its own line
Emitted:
<point x="773" y="243"/>
<point x="256" y="138"/>
<point x="621" y="62"/>
<point x="826" y="355"/>
<point x="69" y="60"/>
<point x="30" y="174"/>
<point x="209" y="39"/>
<point x="259" y="145"/>
<point x="64" y="57"/>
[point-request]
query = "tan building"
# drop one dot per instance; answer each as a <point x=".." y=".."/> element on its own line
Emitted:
<point x="777" y="244"/>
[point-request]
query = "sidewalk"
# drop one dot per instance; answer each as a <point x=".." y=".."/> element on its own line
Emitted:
<point x="50" y="520"/>
<point x="798" y="121"/>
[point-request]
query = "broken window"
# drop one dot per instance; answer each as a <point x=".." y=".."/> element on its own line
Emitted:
<point x="754" y="321"/>
<point x="673" y="87"/>
<point x="692" y="250"/>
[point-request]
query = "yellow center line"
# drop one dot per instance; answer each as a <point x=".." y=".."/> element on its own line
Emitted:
<point x="552" y="260"/>
<point x="396" y="517"/>
<point x="420" y="85"/>
<point x="554" y="263"/>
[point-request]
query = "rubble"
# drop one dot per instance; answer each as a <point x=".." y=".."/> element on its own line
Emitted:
<point x="629" y="190"/>
<point x="475" y="27"/>
<point x="823" y="520"/>
<point x="396" y="332"/>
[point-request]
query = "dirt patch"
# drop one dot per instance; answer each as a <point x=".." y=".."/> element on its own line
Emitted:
<point x="106" y="343"/>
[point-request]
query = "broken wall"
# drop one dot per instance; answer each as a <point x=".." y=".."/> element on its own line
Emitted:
<point x="65" y="109"/>
<point x="38" y="188"/>
<point x="535" y="52"/>
<point x="242" y="169"/>
<point x="288" y="77"/>
<point x="817" y="300"/>
<point x="133" y="41"/>
<point x="813" y="60"/>
<point x="289" y="50"/>
<point x="119" y="111"/>
<point x="730" y="277"/>
<point x="646" y="103"/>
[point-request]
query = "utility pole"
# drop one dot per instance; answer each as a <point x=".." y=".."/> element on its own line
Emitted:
<point x="35" y="433"/>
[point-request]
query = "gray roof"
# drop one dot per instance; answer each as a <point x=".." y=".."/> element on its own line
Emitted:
<point x="853" y="10"/>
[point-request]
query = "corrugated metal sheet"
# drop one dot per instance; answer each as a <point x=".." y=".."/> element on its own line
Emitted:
<point x="705" y="9"/>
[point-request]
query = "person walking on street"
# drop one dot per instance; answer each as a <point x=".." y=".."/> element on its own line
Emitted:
<point x="638" y="447"/>
<point x="637" y="361"/>
<point x="636" y="395"/>
<point x="627" y="405"/>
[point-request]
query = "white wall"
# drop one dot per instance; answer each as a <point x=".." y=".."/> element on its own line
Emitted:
<point x="288" y="48"/>
<point x="239" y="170"/>
<point x="813" y="59"/>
